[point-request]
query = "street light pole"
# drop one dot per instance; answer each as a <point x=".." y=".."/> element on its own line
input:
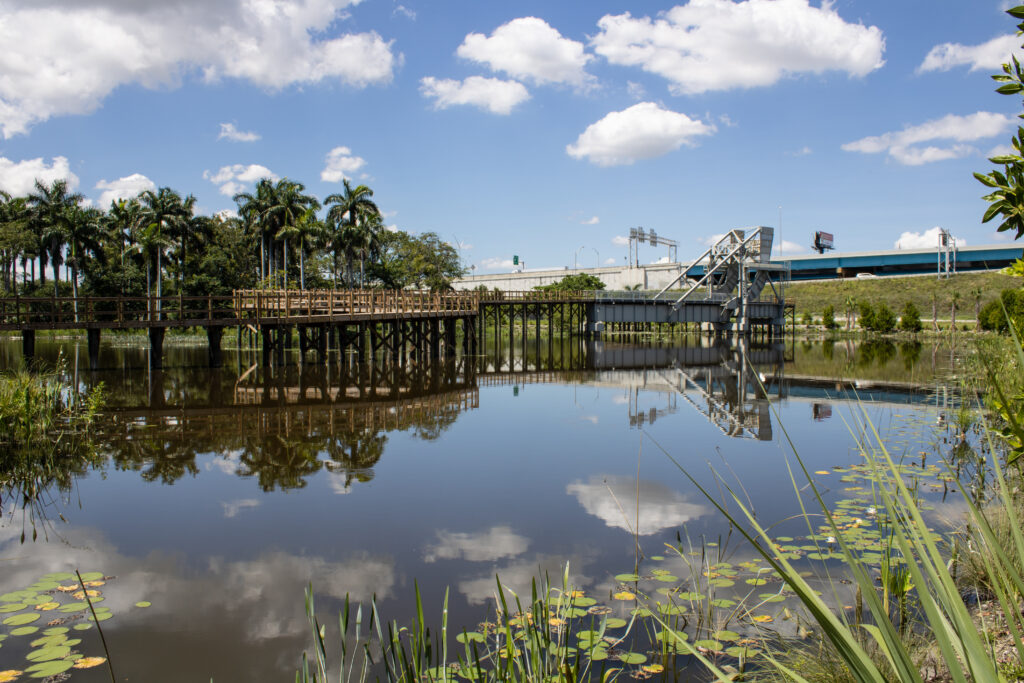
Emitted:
<point x="598" y="256"/>
<point x="576" y="256"/>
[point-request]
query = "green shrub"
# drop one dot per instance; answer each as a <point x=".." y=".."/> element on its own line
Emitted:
<point x="828" y="318"/>
<point x="884" y="319"/>
<point x="866" y="316"/>
<point x="807" y="320"/>
<point x="991" y="314"/>
<point x="910" y="321"/>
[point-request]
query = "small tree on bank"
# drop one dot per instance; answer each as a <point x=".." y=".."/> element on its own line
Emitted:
<point x="910" y="321"/>
<point x="866" y="316"/>
<point x="885" y="320"/>
<point x="828" y="318"/>
<point x="580" y="282"/>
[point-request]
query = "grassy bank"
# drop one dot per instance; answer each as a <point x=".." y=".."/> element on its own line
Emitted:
<point x="813" y="297"/>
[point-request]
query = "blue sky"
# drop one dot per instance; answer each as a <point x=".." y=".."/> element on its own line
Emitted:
<point x="540" y="129"/>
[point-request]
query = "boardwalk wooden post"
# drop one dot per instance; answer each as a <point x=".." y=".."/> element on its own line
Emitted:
<point x="93" y="338"/>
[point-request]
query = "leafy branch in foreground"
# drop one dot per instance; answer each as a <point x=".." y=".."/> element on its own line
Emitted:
<point x="1007" y="198"/>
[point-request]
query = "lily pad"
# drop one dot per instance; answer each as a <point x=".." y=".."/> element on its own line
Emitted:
<point x="21" y="619"/>
<point x="24" y="630"/>
<point x="82" y="627"/>
<point x="45" y="654"/>
<point x="614" y="622"/>
<point x="632" y="658"/>
<point x="143" y="603"/>
<point x="470" y="637"/>
<point x="47" y="669"/>
<point x="727" y="636"/>
<point x="92" y="576"/>
<point x="625" y="578"/>
<point x="709" y="645"/>
<point x="12" y="607"/>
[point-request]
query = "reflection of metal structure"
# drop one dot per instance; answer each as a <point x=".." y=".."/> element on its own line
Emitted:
<point x="821" y="411"/>
<point x="734" y="395"/>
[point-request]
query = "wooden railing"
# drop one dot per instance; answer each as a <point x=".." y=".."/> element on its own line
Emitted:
<point x="120" y="311"/>
<point x="532" y="296"/>
<point x="265" y="304"/>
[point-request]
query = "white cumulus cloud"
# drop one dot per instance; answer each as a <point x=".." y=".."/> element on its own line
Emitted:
<point x="123" y="188"/>
<point x="989" y="55"/>
<point x="19" y="177"/>
<point x="486" y="546"/>
<point x="613" y="499"/>
<point x="491" y="94"/>
<point x="228" y="131"/>
<point x="708" y="45"/>
<point x="529" y="48"/>
<point x="906" y="146"/>
<point x="929" y="239"/>
<point x="497" y="263"/>
<point x="339" y="164"/>
<point x="238" y="177"/>
<point x="620" y="241"/>
<point x="593" y="220"/>
<point x="64" y="57"/>
<point x="643" y="131"/>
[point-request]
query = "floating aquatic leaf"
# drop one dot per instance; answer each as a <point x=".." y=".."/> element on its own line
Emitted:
<point x="72" y="607"/>
<point x="723" y="603"/>
<point x="757" y="582"/>
<point x="744" y="652"/>
<point x="47" y="669"/>
<point x="624" y="595"/>
<point x="823" y="472"/>
<point x="653" y="668"/>
<point x="101" y="617"/>
<point x="598" y="654"/>
<point x="642" y="612"/>
<point x="626" y="578"/>
<point x="24" y="630"/>
<point x="632" y="658"/>
<point x="764" y="619"/>
<point x="89" y="662"/>
<point x="56" y="630"/>
<point x="46" y="641"/>
<point x="614" y="622"/>
<point x="671" y="609"/>
<point x="709" y="645"/>
<point x="9" y="675"/>
<point x="47" y="606"/>
<point x="68" y="587"/>
<point x="722" y="583"/>
<point x="727" y="636"/>
<point x="772" y="597"/>
<point x="80" y="595"/>
<point x="92" y="576"/>
<point x="470" y="637"/>
<point x="584" y="602"/>
<point x="95" y="584"/>
<point x="82" y="627"/>
<point x="46" y="654"/>
<point x="657" y="558"/>
<point x="12" y="607"/>
<point x="58" y="576"/>
<point x="666" y="578"/>
<point x="21" y="619"/>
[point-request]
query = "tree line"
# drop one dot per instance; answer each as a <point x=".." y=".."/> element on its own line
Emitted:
<point x="155" y="244"/>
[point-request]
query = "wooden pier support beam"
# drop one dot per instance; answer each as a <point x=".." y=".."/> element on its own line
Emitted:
<point x="156" y="347"/>
<point x="93" y="337"/>
<point x="28" y="345"/>
<point x="214" y="335"/>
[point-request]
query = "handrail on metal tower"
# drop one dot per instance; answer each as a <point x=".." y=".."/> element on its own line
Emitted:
<point x="722" y="261"/>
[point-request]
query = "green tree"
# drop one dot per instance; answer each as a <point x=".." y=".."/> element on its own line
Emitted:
<point x="866" y="315"/>
<point x="165" y="215"/>
<point x="51" y="212"/>
<point x="354" y="230"/>
<point x="910" y="321"/>
<point x="580" y="282"/>
<point x="84" y="238"/>
<point x="1007" y="197"/>
<point x="828" y="318"/>
<point x="884" y="319"/>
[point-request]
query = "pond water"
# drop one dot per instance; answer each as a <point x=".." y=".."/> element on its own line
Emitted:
<point x="225" y="493"/>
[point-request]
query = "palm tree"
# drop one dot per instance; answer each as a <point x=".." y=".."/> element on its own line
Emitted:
<point x="348" y="213"/>
<point x="251" y="208"/>
<point x="287" y="208"/>
<point x="149" y="241"/>
<point x="977" y="293"/>
<point x="51" y="214"/>
<point x="935" y="311"/>
<point x="851" y="306"/>
<point x="308" y="230"/>
<point x="167" y="211"/>
<point x="84" y="230"/>
<point x="954" y="303"/>
<point x="123" y="221"/>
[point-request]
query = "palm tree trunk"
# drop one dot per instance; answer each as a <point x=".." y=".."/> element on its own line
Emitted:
<point x="159" y="281"/>
<point x="302" y="265"/>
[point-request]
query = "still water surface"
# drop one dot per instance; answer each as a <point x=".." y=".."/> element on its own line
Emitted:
<point x="227" y="492"/>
